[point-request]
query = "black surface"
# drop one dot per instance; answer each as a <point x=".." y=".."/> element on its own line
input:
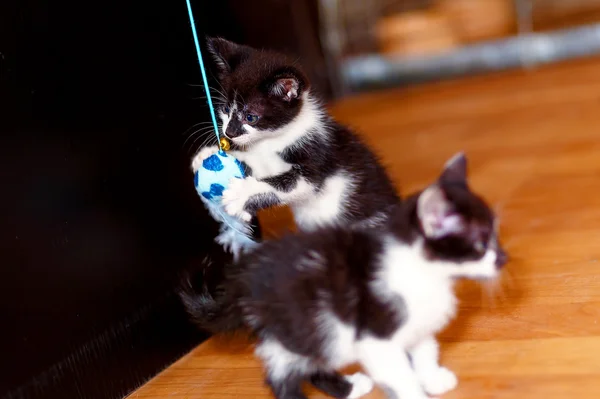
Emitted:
<point x="98" y="212"/>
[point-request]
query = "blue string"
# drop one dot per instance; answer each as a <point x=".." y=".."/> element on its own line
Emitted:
<point x="203" y="71"/>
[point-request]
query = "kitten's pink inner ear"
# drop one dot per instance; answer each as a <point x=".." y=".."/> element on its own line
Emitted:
<point x="286" y="88"/>
<point x="436" y="215"/>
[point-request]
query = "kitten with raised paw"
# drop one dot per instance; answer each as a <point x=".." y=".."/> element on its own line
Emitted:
<point x="319" y="301"/>
<point x="293" y="151"/>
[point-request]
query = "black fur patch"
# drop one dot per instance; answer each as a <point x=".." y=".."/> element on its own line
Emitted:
<point x="284" y="182"/>
<point x="287" y="388"/>
<point x="332" y="383"/>
<point x="261" y="201"/>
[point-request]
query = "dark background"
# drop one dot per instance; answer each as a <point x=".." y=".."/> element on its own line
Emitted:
<point x="98" y="213"/>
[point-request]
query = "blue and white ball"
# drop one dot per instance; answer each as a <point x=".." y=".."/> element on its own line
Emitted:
<point x="215" y="174"/>
<point x="210" y="181"/>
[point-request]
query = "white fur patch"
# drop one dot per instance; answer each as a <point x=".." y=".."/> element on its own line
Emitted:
<point x="376" y="220"/>
<point x="312" y="261"/>
<point x="280" y="361"/>
<point x="361" y="385"/>
<point x="341" y="344"/>
<point x="263" y="161"/>
<point x="237" y="194"/>
<point x="202" y="155"/>
<point x="326" y="206"/>
<point x="439" y="381"/>
<point x="435" y="380"/>
<point x="426" y="290"/>
<point x="388" y="365"/>
<point x="225" y="121"/>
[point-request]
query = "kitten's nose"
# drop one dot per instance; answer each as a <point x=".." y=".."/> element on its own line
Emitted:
<point x="234" y="128"/>
<point x="501" y="258"/>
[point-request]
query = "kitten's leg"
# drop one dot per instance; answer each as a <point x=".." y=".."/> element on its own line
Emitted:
<point x="202" y="155"/>
<point x="342" y="387"/>
<point x="285" y="370"/>
<point x="246" y="196"/>
<point x="288" y="387"/>
<point x="388" y="365"/>
<point x="436" y="380"/>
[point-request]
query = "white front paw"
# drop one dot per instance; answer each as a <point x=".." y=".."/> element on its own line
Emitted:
<point x="235" y="198"/>
<point x="202" y="155"/>
<point x="361" y="385"/>
<point x="439" y="381"/>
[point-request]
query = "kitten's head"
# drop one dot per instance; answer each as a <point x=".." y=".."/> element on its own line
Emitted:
<point x="263" y="91"/>
<point x="458" y="227"/>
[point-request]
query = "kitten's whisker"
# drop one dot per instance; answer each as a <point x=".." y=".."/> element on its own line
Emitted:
<point x="200" y="133"/>
<point x="207" y="142"/>
<point x="221" y="93"/>
<point x="192" y="144"/>
<point x="496" y="290"/>
<point x="202" y="129"/>
<point x="196" y="148"/>
<point x="242" y="97"/>
<point x="195" y="125"/>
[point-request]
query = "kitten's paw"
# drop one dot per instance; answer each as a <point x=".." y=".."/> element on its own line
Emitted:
<point x="361" y="385"/>
<point x="236" y="196"/>
<point x="439" y="381"/>
<point x="202" y="155"/>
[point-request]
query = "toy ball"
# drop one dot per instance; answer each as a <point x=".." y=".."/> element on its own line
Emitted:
<point x="215" y="174"/>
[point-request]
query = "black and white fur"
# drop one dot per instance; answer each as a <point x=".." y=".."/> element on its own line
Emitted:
<point x="322" y="300"/>
<point x="295" y="153"/>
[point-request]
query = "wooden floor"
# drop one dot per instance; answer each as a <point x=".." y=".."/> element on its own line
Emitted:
<point x="533" y="139"/>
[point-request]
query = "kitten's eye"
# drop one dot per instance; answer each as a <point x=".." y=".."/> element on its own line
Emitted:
<point x="251" y="119"/>
<point x="226" y="109"/>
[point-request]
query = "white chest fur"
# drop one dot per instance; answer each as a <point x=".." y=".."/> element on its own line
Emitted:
<point x="327" y="205"/>
<point x="427" y="292"/>
<point x="263" y="161"/>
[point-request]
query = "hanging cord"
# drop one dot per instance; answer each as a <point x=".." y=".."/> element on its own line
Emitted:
<point x="203" y="71"/>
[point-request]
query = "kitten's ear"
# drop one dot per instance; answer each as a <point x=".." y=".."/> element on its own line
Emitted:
<point x="436" y="214"/>
<point x="455" y="170"/>
<point x="287" y="84"/>
<point x="227" y="55"/>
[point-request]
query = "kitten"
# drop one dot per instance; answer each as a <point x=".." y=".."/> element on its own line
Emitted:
<point x="294" y="152"/>
<point x="322" y="300"/>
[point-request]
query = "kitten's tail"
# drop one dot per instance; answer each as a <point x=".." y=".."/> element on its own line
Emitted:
<point x="213" y="312"/>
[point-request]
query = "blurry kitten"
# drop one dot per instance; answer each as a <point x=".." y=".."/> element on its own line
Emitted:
<point x="294" y="152"/>
<point x="322" y="300"/>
